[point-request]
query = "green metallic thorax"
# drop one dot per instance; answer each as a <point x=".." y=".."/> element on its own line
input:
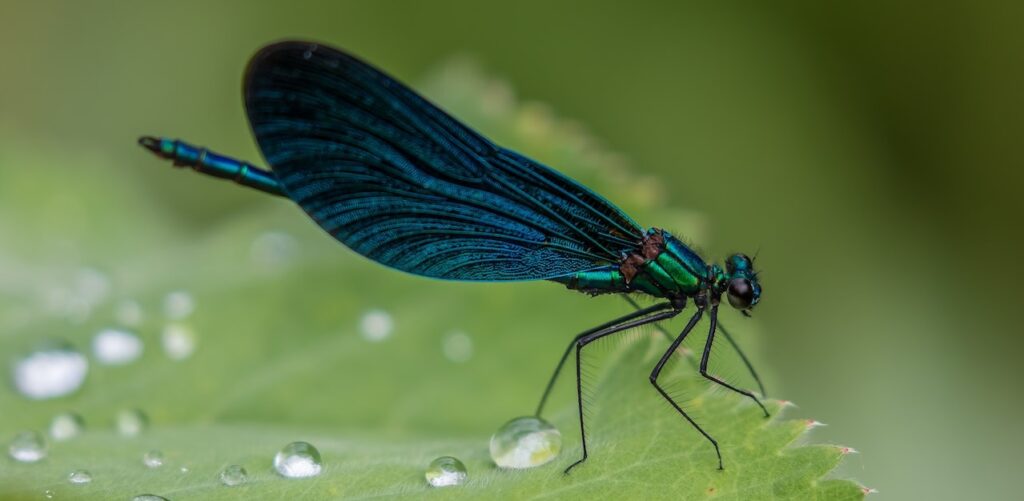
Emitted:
<point x="661" y="266"/>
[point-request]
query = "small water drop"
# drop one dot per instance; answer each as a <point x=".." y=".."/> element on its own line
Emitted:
<point x="131" y="422"/>
<point x="184" y="470"/>
<point x="376" y="325"/>
<point x="298" y="460"/>
<point x="116" y="347"/>
<point x="48" y="493"/>
<point x="27" y="447"/>
<point x="149" y="497"/>
<point x="52" y="370"/>
<point x="153" y="459"/>
<point x="179" y="341"/>
<point x="178" y="305"/>
<point x="525" y="442"/>
<point x="445" y="471"/>
<point x="273" y="251"/>
<point x="233" y="475"/>
<point x="66" y="426"/>
<point x="79" y="477"/>
<point x="128" y="313"/>
<point x="457" y="346"/>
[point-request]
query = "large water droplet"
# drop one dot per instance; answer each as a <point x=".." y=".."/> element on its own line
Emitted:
<point x="178" y="305"/>
<point x="179" y="341"/>
<point x="116" y="347"/>
<point x="27" y="447"/>
<point x="298" y="460"/>
<point x="233" y="475"/>
<point x="131" y="422"/>
<point x="53" y="370"/>
<point x="153" y="459"/>
<point x="79" y="477"/>
<point x="66" y="425"/>
<point x="376" y="325"/>
<point x="525" y="442"/>
<point x="457" y="347"/>
<point x="445" y="471"/>
<point x="149" y="497"/>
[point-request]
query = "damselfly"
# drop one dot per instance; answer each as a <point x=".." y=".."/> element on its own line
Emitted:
<point x="399" y="181"/>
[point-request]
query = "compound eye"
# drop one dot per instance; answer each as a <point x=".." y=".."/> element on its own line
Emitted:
<point x="738" y="261"/>
<point x="741" y="293"/>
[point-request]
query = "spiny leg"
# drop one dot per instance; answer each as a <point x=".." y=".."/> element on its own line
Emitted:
<point x="589" y="338"/>
<point x="662" y="329"/>
<point x="707" y="353"/>
<point x="568" y="349"/>
<point x="657" y="372"/>
<point x="746" y="361"/>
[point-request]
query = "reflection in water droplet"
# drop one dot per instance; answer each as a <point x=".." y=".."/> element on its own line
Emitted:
<point x="131" y="422"/>
<point x="128" y="313"/>
<point x="525" y="442"/>
<point x="66" y="425"/>
<point x="53" y="370"/>
<point x="233" y="475"/>
<point x="273" y="251"/>
<point x="178" y="305"/>
<point x="457" y="346"/>
<point x="80" y="477"/>
<point x="445" y="471"/>
<point x="27" y="447"/>
<point x="179" y="341"/>
<point x="116" y="347"/>
<point x="149" y="497"/>
<point x="376" y="325"/>
<point x="153" y="459"/>
<point x="298" y="460"/>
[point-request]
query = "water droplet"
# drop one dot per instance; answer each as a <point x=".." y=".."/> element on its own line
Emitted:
<point x="445" y="471"/>
<point x="233" y="475"/>
<point x="116" y="347"/>
<point x="298" y="460"/>
<point x="457" y="346"/>
<point x="184" y="470"/>
<point x="80" y="477"/>
<point x="307" y="55"/>
<point x="66" y="425"/>
<point x="128" y="313"/>
<point x="525" y="442"/>
<point x="27" y="447"/>
<point x="48" y="493"/>
<point x="149" y="497"/>
<point x="153" y="459"/>
<point x="179" y="341"/>
<point x="376" y="325"/>
<point x="273" y="251"/>
<point x="131" y="422"/>
<point x="53" y="370"/>
<point x="178" y="305"/>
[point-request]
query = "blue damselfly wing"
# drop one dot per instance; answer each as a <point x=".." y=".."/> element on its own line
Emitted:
<point x="399" y="181"/>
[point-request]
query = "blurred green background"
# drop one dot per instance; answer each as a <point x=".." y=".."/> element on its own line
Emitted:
<point x="869" y="151"/>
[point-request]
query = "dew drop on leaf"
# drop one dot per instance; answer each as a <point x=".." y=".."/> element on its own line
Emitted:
<point x="116" y="347"/>
<point x="376" y="325"/>
<point x="79" y="477"/>
<point x="178" y="340"/>
<point x="233" y="475"/>
<point x="131" y="422"/>
<point x="298" y="460"/>
<point x="66" y="425"/>
<point x="178" y="305"/>
<point x="457" y="346"/>
<point x="153" y="459"/>
<point x="54" y="369"/>
<point x="445" y="471"/>
<point x="525" y="442"/>
<point x="27" y="447"/>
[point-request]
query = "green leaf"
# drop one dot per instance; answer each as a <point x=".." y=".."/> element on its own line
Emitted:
<point x="279" y="355"/>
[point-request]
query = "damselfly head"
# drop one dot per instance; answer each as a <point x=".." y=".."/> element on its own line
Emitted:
<point x="743" y="291"/>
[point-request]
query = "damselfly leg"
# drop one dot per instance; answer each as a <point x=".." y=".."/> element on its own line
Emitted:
<point x="713" y="314"/>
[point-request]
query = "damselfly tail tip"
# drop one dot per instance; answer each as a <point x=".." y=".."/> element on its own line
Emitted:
<point x="153" y="144"/>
